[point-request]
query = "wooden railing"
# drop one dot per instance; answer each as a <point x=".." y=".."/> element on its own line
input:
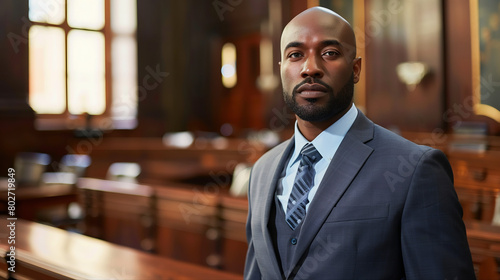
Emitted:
<point x="44" y="252"/>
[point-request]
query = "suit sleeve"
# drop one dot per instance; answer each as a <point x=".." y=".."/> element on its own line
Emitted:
<point x="433" y="235"/>
<point x="252" y="271"/>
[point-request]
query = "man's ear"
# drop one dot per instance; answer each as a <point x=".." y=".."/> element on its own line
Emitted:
<point x="356" y="68"/>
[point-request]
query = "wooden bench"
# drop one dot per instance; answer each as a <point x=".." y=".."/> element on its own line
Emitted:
<point x="197" y="224"/>
<point x="187" y="224"/>
<point x="233" y="217"/>
<point x="119" y="212"/>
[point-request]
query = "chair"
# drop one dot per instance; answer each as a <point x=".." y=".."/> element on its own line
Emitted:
<point x="71" y="168"/>
<point x="76" y="164"/>
<point x="30" y="166"/>
<point x="124" y="172"/>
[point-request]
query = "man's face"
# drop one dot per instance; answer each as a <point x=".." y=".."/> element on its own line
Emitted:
<point x="318" y="69"/>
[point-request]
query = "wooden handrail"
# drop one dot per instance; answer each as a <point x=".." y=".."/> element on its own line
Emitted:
<point x="44" y="252"/>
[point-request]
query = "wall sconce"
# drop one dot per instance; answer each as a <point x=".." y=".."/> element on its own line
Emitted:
<point x="412" y="73"/>
<point x="266" y="81"/>
<point x="228" y="69"/>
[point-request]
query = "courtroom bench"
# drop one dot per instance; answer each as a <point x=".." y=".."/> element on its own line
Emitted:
<point x="44" y="252"/>
<point x="233" y="216"/>
<point x="119" y="212"/>
<point x="203" y="225"/>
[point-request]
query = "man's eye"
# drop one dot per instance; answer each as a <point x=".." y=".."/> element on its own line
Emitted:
<point x="331" y="53"/>
<point x="294" y="55"/>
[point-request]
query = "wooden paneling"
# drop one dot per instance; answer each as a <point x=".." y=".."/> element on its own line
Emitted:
<point x="397" y="32"/>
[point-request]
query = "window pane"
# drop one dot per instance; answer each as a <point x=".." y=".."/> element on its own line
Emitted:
<point x="123" y="16"/>
<point x="47" y="73"/>
<point x="124" y="60"/>
<point x="49" y="11"/>
<point x="86" y="72"/>
<point x="86" y="14"/>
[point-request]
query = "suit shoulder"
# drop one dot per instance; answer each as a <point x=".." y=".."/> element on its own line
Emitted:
<point x="386" y="139"/>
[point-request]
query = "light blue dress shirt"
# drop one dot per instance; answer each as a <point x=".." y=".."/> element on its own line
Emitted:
<point x="327" y="143"/>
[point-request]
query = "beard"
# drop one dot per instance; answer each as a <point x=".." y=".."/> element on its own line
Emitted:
<point x="313" y="112"/>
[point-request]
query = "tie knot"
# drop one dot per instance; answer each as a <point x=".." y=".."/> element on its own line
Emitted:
<point x="309" y="154"/>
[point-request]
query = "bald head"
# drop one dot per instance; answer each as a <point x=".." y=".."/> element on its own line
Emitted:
<point x="319" y="20"/>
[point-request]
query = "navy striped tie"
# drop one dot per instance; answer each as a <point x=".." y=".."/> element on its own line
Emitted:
<point x="304" y="180"/>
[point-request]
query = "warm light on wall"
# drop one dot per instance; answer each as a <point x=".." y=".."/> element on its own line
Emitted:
<point x="228" y="69"/>
<point x="412" y="73"/>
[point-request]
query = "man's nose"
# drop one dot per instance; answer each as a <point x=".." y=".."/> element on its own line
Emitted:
<point x="312" y="68"/>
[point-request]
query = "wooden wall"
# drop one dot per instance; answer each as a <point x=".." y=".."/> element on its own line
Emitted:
<point x="396" y="33"/>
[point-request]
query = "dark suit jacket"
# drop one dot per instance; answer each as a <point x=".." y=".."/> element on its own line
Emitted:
<point x="385" y="209"/>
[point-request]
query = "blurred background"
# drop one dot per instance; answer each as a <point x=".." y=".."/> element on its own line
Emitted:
<point x="176" y="99"/>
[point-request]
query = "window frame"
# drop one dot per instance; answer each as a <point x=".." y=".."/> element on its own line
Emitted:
<point x="104" y="121"/>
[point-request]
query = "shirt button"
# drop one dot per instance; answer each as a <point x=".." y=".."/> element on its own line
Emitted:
<point x="293" y="241"/>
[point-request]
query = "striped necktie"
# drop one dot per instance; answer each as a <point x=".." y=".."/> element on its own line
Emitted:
<point x="304" y="180"/>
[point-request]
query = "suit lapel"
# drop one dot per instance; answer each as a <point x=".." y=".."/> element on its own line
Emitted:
<point x="345" y="165"/>
<point x="271" y="177"/>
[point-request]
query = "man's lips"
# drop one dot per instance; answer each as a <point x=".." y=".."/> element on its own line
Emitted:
<point x="311" y="90"/>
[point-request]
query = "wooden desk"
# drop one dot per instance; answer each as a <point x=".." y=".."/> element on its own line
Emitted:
<point x="44" y="252"/>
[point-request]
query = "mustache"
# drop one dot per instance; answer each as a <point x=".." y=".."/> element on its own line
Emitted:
<point x="311" y="80"/>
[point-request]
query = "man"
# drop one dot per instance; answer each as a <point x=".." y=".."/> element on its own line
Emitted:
<point x="345" y="198"/>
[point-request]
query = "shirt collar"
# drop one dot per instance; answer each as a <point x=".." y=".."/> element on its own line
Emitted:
<point x="334" y="134"/>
